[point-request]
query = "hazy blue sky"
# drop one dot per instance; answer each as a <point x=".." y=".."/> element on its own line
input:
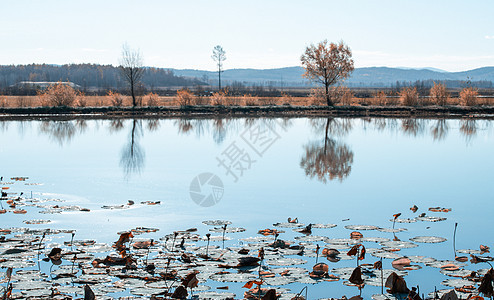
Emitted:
<point x="453" y="35"/>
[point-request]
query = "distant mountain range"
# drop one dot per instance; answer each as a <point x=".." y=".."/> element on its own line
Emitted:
<point x="361" y="77"/>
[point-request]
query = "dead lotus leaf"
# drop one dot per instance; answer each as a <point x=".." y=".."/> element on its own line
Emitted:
<point x="401" y="263"/>
<point x="396" y="284"/>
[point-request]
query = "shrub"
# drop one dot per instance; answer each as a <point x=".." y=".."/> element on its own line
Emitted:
<point x="152" y="99"/>
<point x="438" y="94"/>
<point x="22" y="101"/>
<point x="409" y="96"/>
<point x="81" y="101"/>
<point x="344" y="95"/>
<point x="116" y="99"/>
<point x="185" y="97"/>
<point x="468" y="97"/>
<point x="218" y="98"/>
<point x="59" y="94"/>
<point x="249" y="100"/>
<point x="380" y="98"/>
<point x="317" y="97"/>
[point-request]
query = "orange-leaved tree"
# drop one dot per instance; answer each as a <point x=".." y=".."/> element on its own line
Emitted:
<point x="327" y="64"/>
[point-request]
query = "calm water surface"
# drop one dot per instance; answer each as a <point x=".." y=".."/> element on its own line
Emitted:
<point x="339" y="171"/>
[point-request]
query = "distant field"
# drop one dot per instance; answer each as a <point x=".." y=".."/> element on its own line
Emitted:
<point x="101" y="101"/>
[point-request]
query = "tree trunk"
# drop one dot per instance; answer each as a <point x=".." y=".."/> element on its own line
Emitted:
<point x="219" y="80"/>
<point x="327" y="95"/>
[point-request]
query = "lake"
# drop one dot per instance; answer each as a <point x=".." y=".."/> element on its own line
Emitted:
<point x="257" y="172"/>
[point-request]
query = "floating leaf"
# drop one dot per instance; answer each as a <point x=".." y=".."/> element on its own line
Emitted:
<point x="361" y="227"/>
<point x="216" y="222"/>
<point x="428" y="239"/>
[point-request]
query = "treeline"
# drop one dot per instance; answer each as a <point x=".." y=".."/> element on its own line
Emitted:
<point x="91" y="78"/>
<point x="423" y="86"/>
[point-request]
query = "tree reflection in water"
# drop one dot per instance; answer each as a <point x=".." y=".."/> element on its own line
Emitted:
<point x="468" y="128"/>
<point x="328" y="159"/>
<point x="412" y="126"/>
<point x="63" y="131"/>
<point x="439" y="130"/>
<point x="132" y="154"/>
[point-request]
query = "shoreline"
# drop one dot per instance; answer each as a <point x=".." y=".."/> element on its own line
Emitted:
<point x="428" y="112"/>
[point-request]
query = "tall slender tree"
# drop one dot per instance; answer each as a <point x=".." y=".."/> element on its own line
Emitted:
<point x="132" y="69"/>
<point x="327" y="64"/>
<point x="219" y="55"/>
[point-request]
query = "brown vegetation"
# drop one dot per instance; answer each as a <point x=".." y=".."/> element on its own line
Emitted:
<point x="438" y="94"/>
<point x="468" y="97"/>
<point x="409" y="96"/>
<point x="327" y="64"/>
<point x="59" y="94"/>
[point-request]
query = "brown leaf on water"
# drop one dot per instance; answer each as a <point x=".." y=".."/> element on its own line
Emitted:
<point x="267" y="232"/>
<point x="414" y="208"/>
<point x="356" y="235"/>
<point x="461" y="258"/>
<point x="484" y="249"/>
<point x="401" y="263"/>
<point x="190" y="280"/>
<point x="486" y="287"/>
<point x="223" y="287"/>
<point x="439" y="209"/>
<point x="356" y="298"/>
<point x="144" y="244"/>
<point x="20" y="211"/>
<point x="356" y="277"/>
<point x="450" y="267"/>
<point x="3" y="211"/>
<point x="319" y="270"/>
<point x="396" y="215"/>
<point x="330" y="252"/>
<point x="396" y="284"/>
<point x="290" y="220"/>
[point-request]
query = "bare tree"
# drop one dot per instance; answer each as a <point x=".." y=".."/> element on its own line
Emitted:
<point x="327" y="64"/>
<point x="219" y="55"/>
<point x="132" y="69"/>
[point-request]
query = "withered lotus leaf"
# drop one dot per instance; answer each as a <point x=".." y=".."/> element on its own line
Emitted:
<point x="356" y="235"/>
<point x="180" y="293"/>
<point x="356" y="277"/>
<point x="451" y="295"/>
<point x="414" y="208"/>
<point x="88" y="293"/>
<point x="401" y="263"/>
<point x="396" y="284"/>
<point x="190" y="280"/>
<point x="250" y="283"/>
<point x="484" y="249"/>
<point x="486" y="287"/>
<point x="378" y="265"/>
<point x="320" y="269"/>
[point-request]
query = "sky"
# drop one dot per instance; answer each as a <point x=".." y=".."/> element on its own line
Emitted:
<point x="451" y="35"/>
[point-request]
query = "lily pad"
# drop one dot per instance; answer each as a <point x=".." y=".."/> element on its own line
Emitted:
<point x="428" y="239"/>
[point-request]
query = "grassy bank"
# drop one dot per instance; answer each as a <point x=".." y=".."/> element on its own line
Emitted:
<point x="208" y="111"/>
